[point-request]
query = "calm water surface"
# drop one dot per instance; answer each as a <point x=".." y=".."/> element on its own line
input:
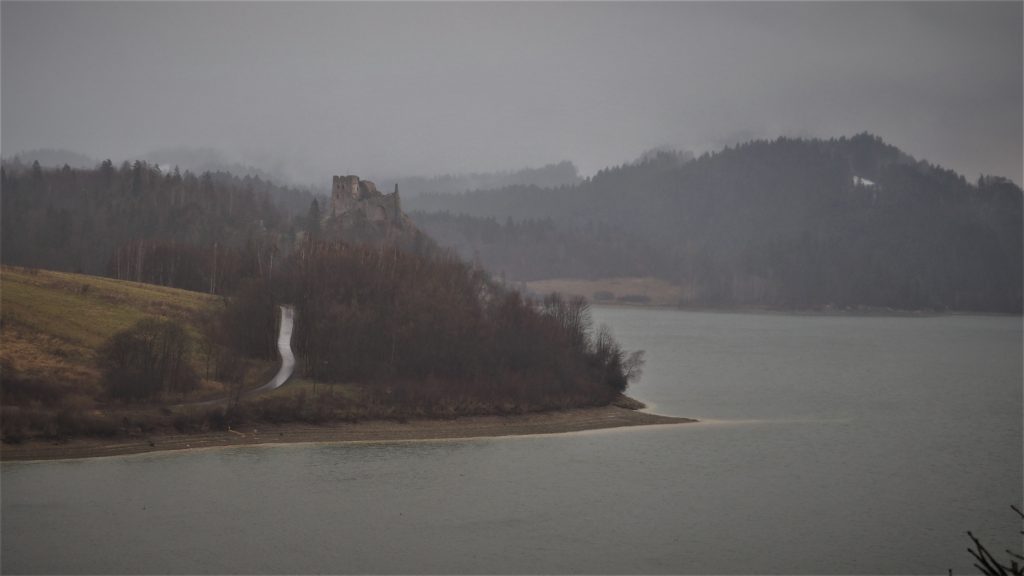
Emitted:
<point x="829" y="444"/>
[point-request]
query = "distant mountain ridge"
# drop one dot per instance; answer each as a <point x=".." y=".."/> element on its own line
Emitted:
<point x="790" y="223"/>
<point x="555" y="175"/>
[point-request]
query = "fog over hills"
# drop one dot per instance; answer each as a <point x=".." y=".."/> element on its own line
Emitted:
<point x="486" y="96"/>
<point x="53" y="158"/>
<point x="309" y="89"/>
<point x="199" y="160"/>
<point x="392" y="235"/>
<point x="562" y="173"/>
<point x="788" y="223"/>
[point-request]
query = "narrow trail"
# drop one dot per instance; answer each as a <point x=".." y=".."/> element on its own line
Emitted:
<point x="284" y="347"/>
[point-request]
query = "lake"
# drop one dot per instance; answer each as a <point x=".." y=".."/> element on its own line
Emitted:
<point x="828" y="444"/>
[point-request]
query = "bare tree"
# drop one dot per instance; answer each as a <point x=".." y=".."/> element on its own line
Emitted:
<point x="988" y="564"/>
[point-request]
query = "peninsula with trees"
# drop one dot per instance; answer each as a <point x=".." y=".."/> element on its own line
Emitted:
<point x="395" y="337"/>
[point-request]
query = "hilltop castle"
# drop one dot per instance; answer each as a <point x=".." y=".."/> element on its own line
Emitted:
<point x="354" y="199"/>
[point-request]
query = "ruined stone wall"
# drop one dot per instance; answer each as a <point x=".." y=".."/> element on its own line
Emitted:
<point x="344" y="194"/>
<point x="361" y="214"/>
<point x="352" y="198"/>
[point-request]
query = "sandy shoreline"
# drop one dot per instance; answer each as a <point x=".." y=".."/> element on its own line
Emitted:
<point x="574" y="420"/>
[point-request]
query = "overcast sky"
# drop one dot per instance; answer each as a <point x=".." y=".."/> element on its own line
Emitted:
<point x="427" y="88"/>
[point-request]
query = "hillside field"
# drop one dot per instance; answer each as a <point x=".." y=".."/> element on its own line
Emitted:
<point x="53" y="322"/>
<point x="83" y="310"/>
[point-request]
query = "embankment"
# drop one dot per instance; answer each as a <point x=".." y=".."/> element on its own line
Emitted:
<point x="574" y="420"/>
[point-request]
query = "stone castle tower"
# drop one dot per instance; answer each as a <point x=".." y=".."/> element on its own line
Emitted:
<point x="354" y="198"/>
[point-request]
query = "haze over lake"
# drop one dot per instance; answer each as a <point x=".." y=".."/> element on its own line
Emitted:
<point x="304" y="90"/>
<point x="802" y="222"/>
<point x="829" y="444"/>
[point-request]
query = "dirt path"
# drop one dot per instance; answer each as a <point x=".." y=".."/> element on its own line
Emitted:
<point x="284" y="347"/>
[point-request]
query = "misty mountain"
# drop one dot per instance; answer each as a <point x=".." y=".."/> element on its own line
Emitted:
<point x="291" y="196"/>
<point x="549" y="176"/>
<point x="193" y="159"/>
<point x="793" y="223"/>
<point x="199" y="160"/>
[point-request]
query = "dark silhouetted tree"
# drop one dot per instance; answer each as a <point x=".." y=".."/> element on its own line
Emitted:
<point x="149" y="359"/>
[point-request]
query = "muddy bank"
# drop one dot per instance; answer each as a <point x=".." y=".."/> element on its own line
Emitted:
<point x="574" y="420"/>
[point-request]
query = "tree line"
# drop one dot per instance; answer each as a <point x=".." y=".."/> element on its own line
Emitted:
<point x="111" y="219"/>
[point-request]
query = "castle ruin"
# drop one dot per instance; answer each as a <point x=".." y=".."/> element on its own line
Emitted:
<point x="354" y="199"/>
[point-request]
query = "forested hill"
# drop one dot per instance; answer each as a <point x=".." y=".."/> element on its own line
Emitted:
<point x="792" y="223"/>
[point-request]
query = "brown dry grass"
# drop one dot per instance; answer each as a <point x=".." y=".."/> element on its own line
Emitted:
<point x="83" y="311"/>
<point x="52" y="323"/>
<point x="574" y="420"/>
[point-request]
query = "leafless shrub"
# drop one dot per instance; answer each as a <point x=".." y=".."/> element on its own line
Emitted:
<point x="989" y="565"/>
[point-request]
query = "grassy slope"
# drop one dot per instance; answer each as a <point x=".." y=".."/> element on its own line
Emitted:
<point x="53" y="322"/>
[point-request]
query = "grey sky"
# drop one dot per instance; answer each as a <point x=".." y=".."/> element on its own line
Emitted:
<point x="425" y="88"/>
